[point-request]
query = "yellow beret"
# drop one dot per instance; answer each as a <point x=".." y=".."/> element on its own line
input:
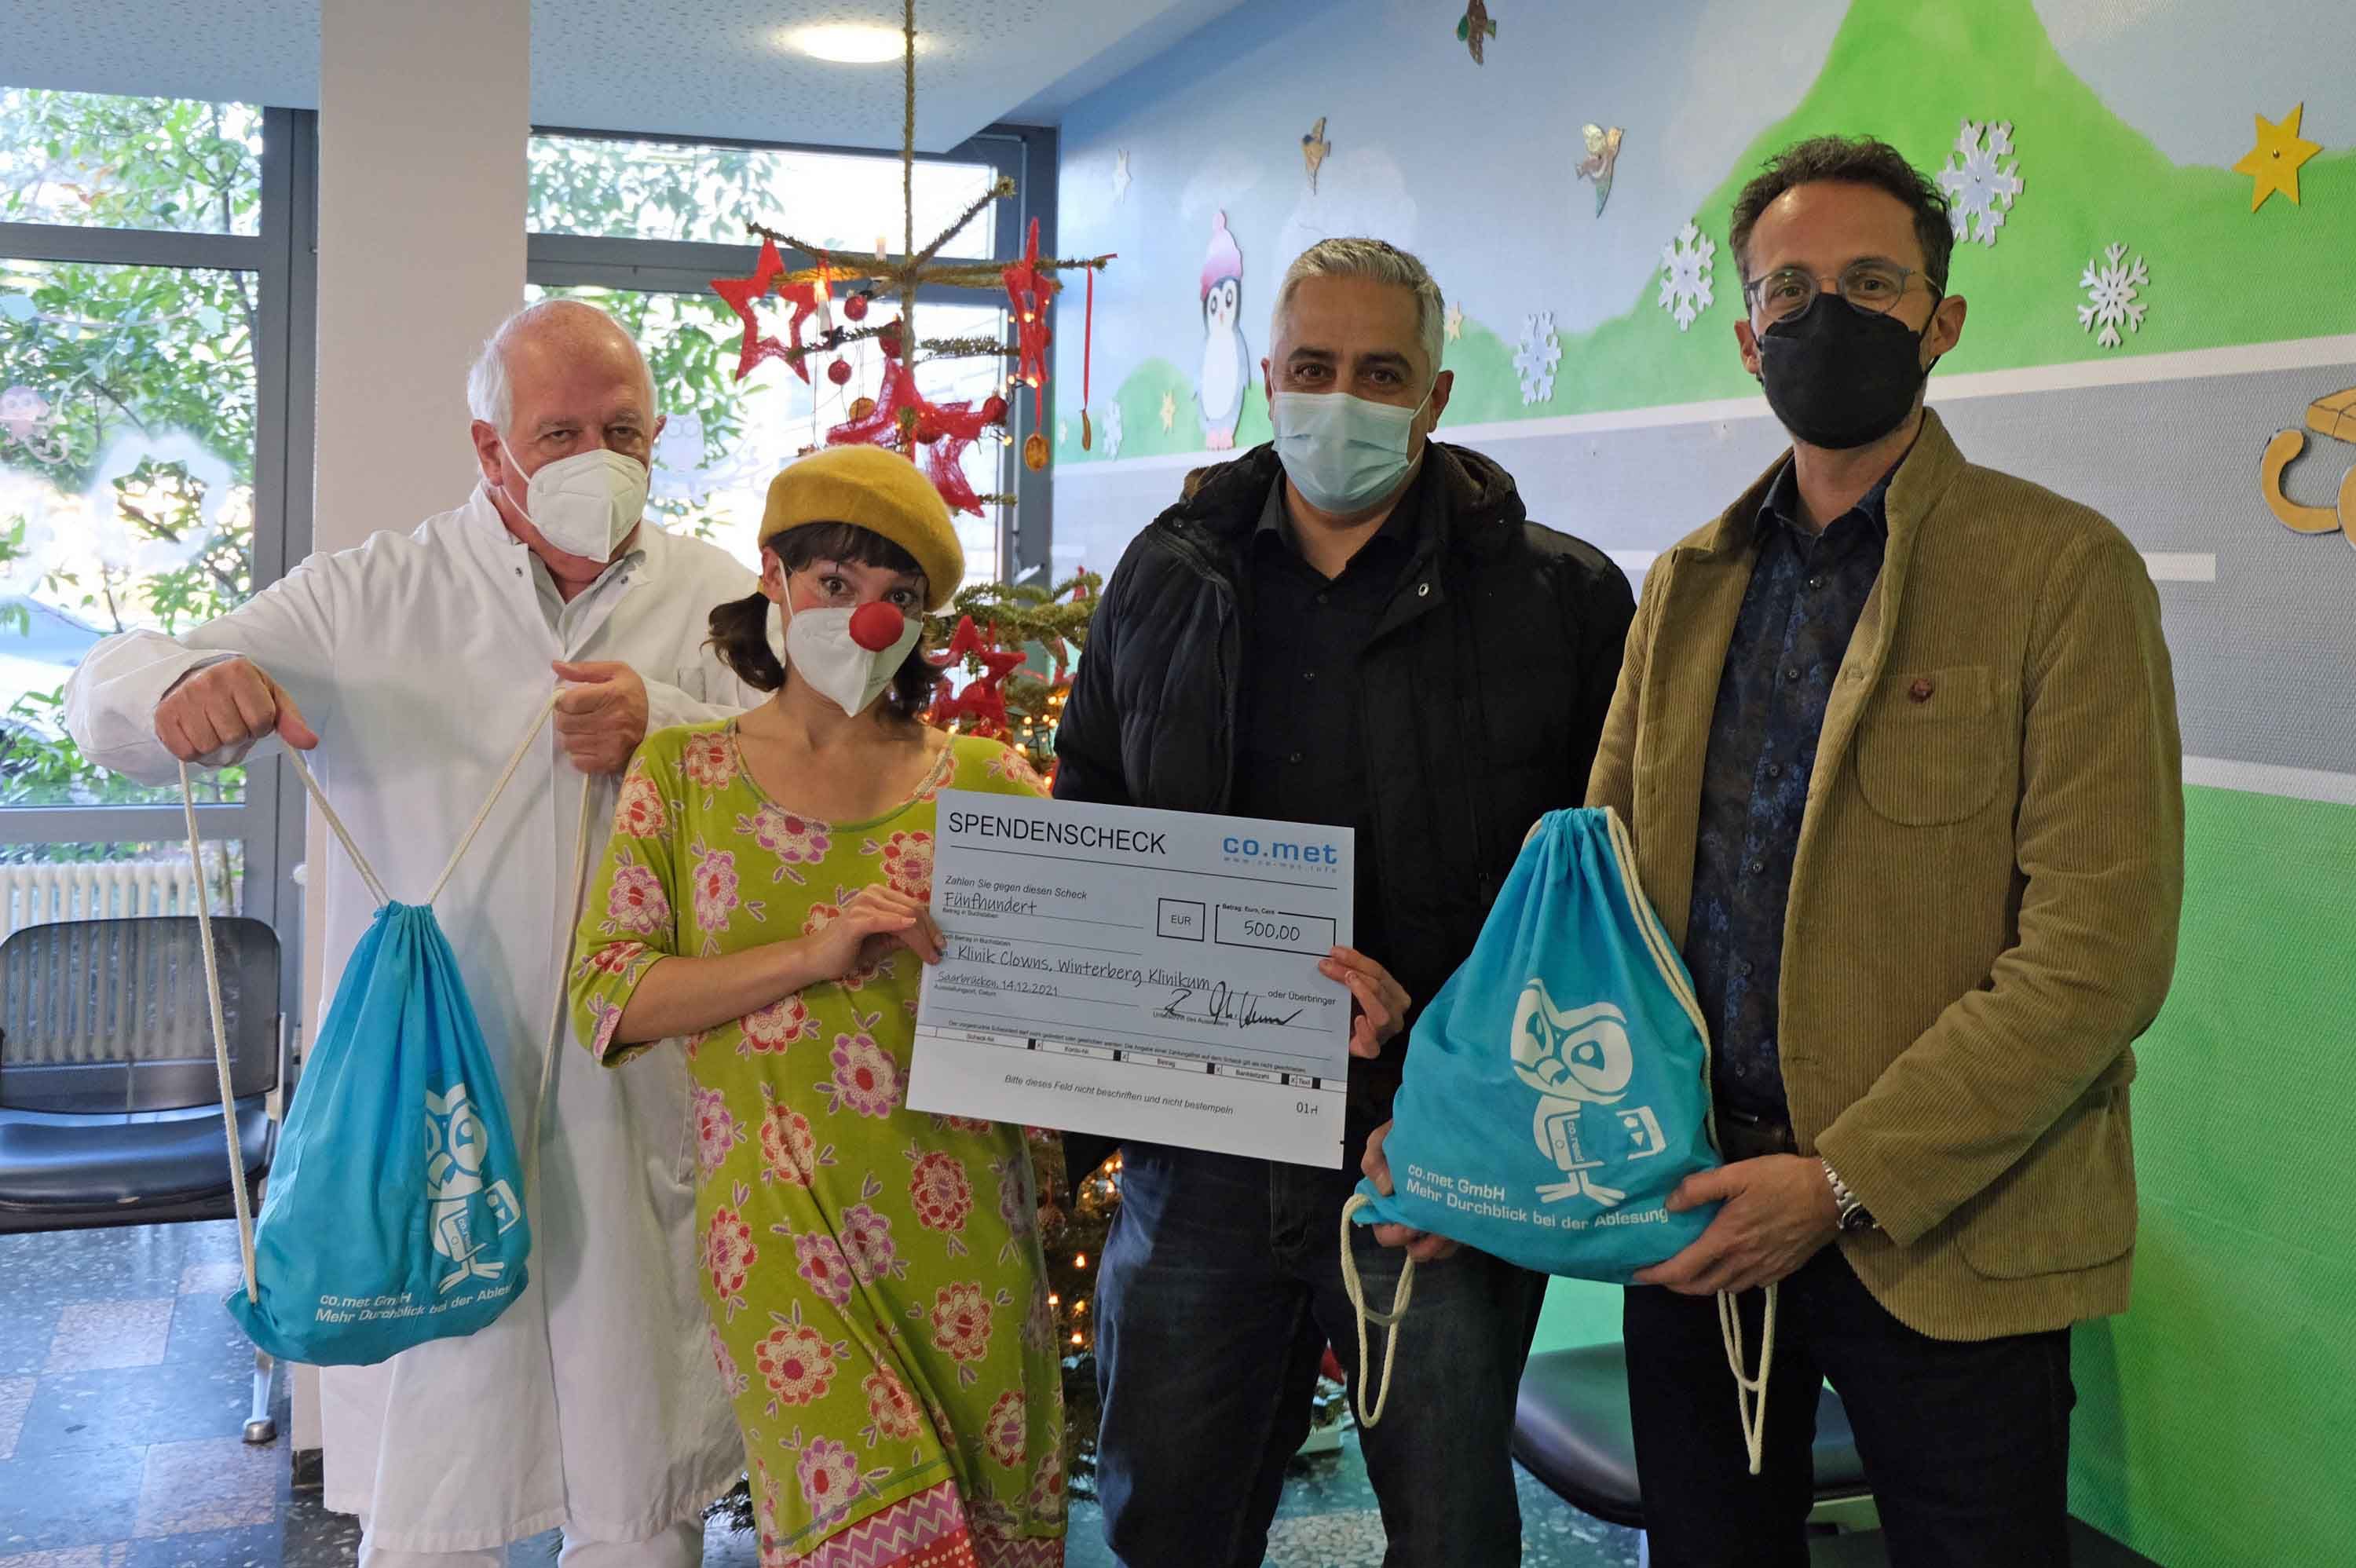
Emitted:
<point x="877" y="490"/>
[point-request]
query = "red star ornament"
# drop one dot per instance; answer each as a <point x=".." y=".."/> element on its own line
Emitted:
<point x="952" y="426"/>
<point x="982" y="703"/>
<point x="742" y="292"/>
<point x="1028" y="293"/>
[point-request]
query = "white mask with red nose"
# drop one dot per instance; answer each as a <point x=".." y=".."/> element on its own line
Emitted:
<point x="849" y="656"/>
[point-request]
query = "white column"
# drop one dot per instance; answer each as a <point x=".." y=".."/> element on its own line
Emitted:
<point x="425" y="108"/>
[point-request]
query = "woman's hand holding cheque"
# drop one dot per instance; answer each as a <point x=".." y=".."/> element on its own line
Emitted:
<point x="683" y="996"/>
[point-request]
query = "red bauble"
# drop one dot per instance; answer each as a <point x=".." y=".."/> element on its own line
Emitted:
<point x="889" y="340"/>
<point x="994" y="409"/>
<point x="840" y="372"/>
<point x="928" y="431"/>
<point x="854" y="308"/>
<point x="876" y="626"/>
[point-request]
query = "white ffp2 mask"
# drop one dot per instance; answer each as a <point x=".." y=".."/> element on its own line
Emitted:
<point x="822" y="650"/>
<point x="584" y="504"/>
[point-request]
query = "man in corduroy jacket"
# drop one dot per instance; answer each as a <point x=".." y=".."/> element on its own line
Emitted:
<point x="1896" y="737"/>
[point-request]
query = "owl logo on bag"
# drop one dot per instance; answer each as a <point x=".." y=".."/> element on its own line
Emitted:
<point x="461" y="1201"/>
<point x="1580" y="1062"/>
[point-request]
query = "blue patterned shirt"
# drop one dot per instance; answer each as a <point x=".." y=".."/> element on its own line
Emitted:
<point x="1805" y="595"/>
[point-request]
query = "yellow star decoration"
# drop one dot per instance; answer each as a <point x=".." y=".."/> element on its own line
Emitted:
<point x="1168" y="411"/>
<point x="1455" y="320"/>
<point x="2273" y="162"/>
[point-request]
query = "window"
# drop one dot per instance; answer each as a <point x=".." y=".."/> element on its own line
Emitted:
<point x="641" y="228"/>
<point x="148" y="256"/>
<point x="671" y="190"/>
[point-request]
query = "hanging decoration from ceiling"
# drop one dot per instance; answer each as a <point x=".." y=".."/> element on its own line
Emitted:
<point x="1474" y="27"/>
<point x="1313" y="148"/>
<point x="1603" y="157"/>
<point x="934" y="435"/>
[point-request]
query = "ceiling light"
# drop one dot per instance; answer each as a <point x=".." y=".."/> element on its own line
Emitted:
<point x="849" y="43"/>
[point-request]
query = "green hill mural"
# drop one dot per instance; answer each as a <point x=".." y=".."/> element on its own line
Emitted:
<point x="2218" y="274"/>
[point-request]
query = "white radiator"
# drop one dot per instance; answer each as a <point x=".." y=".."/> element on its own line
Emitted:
<point x="113" y="890"/>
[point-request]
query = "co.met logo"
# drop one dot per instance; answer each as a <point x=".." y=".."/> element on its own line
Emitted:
<point x="1284" y="851"/>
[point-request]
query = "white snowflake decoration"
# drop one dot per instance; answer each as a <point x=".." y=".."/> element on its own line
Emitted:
<point x="1685" y="275"/>
<point x="1978" y="185"/>
<point x="1536" y="356"/>
<point x="1108" y="429"/>
<point x="2112" y="288"/>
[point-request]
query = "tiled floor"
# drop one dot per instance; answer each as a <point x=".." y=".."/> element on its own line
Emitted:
<point x="124" y="1388"/>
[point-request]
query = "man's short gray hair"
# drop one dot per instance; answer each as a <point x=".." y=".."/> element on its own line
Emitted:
<point x="1380" y="261"/>
<point x="490" y="397"/>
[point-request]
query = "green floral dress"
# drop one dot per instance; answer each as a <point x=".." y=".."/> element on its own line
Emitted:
<point x="879" y="1303"/>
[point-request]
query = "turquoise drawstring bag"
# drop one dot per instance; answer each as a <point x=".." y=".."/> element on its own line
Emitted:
<point x="1558" y="1090"/>
<point x="395" y="1207"/>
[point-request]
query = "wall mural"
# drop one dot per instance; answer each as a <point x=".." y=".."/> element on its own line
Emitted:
<point x="2097" y="224"/>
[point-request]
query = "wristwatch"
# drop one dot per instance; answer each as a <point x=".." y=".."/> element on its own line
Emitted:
<point x="1853" y="1215"/>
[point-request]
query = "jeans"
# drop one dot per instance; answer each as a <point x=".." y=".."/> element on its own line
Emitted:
<point x="1221" y="1286"/>
<point x="1966" y="1443"/>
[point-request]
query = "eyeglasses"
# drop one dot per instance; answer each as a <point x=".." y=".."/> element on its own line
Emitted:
<point x="1787" y="293"/>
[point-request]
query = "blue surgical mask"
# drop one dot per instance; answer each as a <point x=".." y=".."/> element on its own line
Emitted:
<point x="1343" y="454"/>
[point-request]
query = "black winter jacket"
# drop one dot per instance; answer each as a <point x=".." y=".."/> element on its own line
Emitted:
<point x="1484" y="692"/>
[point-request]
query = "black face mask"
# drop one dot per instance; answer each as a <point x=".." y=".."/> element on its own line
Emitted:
<point x="1838" y="377"/>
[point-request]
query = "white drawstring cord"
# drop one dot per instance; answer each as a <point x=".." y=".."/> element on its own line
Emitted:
<point x="563" y="994"/>
<point x="221" y="1040"/>
<point x="1391" y="1319"/>
<point x="1729" y="1330"/>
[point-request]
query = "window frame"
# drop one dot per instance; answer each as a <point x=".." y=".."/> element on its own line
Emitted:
<point x="283" y="259"/>
<point x="1026" y="154"/>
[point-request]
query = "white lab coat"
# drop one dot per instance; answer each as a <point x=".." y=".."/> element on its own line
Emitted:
<point x="593" y="1401"/>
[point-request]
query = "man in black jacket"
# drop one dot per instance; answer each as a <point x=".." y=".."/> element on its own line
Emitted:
<point x="1355" y="626"/>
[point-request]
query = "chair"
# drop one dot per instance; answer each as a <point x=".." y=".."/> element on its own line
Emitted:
<point x="1572" y="1431"/>
<point x="110" y="1097"/>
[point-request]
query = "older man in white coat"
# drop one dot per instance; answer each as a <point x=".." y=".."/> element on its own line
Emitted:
<point x="408" y="670"/>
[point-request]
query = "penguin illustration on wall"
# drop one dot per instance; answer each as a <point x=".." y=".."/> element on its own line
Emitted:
<point x="1226" y="357"/>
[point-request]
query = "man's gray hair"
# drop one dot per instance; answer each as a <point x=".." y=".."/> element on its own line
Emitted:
<point x="490" y="397"/>
<point x="1380" y="261"/>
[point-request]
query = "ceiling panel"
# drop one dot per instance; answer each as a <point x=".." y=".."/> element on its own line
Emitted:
<point x="712" y="68"/>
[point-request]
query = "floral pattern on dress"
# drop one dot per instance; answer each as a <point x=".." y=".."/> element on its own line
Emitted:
<point x="716" y="1132"/>
<point x="796" y="1362"/>
<point x="869" y="1364"/>
<point x="867" y="1242"/>
<point x="829" y="1474"/>
<point x="796" y="841"/>
<point x="709" y="760"/>
<point x="728" y="1254"/>
<point x="942" y="1194"/>
<point x="961" y="1317"/>
<point x="821" y="1262"/>
<point x="634" y="903"/>
<point x="1015" y="769"/>
<point x="790" y="1147"/>
<point x="640" y="814"/>
<point x="907" y="858"/>
<point x="777" y="1025"/>
<point x="892" y="1414"/>
<point x="866" y="1081"/>
<point x="1008" y="1430"/>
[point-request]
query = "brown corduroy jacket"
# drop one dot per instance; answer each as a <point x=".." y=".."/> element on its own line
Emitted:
<point x="1984" y="902"/>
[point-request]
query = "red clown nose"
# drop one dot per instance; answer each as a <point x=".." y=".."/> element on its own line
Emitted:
<point x="876" y="626"/>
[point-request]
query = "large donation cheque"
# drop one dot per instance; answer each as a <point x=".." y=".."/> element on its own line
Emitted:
<point x="1145" y="975"/>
